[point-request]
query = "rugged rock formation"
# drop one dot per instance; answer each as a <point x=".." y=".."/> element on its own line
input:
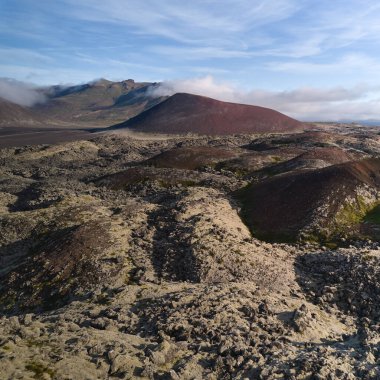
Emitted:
<point x="128" y="258"/>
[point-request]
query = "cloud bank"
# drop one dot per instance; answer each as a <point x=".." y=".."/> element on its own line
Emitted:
<point x="361" y="102"/>
<point x="20" y="93"/>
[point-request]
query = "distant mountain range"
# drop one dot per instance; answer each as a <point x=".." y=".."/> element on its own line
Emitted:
<point x="100" y="103"/>
<point x="97" y="104"/>
<point x="129" y="104"/>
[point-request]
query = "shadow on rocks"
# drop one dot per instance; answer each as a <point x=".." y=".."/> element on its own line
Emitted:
<point x="172" y="254"/>
<point x="350" y="281"/>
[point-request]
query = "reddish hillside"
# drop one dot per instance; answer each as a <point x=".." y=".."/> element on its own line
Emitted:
<point x="315" y="158"/>
<point x="183" y="113"/>
<point x="281" y="207"/>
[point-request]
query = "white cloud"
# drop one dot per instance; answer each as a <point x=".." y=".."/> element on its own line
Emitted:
<point x="230" y="25"/>
<point x="295" y="28"/>
<point x="19" y="92"/>
<point x="347" y="63"/>
<point x="174" y="19"/>
<point x="307" y="103"/>
<point x="205" y="86"/>
<point x="188" y="53"/>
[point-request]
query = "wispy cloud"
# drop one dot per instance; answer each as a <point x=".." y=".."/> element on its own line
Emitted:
<point x="206" y="86"/>
<point x="20" y="93"/>
<point x="183" y="21"/>
<point x="279" y="44"/>
<point x="295" y="29"/>
<point x="14" y="55"/>
<point x="188" y="53"/>
<point x="359" y="102"/>
<point x="347" y="63"/>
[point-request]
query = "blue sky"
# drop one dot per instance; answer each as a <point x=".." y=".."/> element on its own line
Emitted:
<point x="280" y="53"/>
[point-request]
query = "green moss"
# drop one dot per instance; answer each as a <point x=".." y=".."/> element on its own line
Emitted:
<point x="357" y="213"/>
<point x="331" y="245"/>
<point x="276" y="159"/>
<point x="38" y="369"/>
<point x="352" y="213"/>
<point x="347" y="222"/>
<point x="373" y="216"/>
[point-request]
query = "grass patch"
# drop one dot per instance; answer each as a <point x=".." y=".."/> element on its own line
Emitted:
<point x="38" y="370"/>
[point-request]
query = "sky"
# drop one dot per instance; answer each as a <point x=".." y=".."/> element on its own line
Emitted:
<point x="310" y="59"/>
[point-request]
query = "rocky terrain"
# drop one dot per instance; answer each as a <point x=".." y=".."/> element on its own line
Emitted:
<point x="192" y="257"/>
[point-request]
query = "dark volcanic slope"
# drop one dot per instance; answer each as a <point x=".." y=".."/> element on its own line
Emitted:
<point x="315" y="158"/>
<point x="190" y="157"/>
<point x="311" y="201"/>
<point x="63" y="264"/>
<point x="183" y="113"/>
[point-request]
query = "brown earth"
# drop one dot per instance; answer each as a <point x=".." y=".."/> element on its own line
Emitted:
<point x="61" y="265"/>
<point x="313" y="158"/>
<point x="280" y="208"/>
<point x="11" y="114"/>
<point x="191" y="157"/>
<point x="186" y="113"/>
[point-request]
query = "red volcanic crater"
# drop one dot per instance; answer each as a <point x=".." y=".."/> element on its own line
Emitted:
<point x="183" y="113"/>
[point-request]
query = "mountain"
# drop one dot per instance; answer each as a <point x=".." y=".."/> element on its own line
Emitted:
<point x="11" y="114"/>
<point x="100" y="103"/>
<point x="313" y="204"/>
<point x="184" y="113"/>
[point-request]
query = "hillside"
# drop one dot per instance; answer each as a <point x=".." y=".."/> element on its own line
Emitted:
<point x="187" y="113"/>
<point x="11" y="114"/>
<point x="100" y="103"/>
<point x="313" y="204"/>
